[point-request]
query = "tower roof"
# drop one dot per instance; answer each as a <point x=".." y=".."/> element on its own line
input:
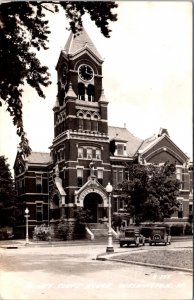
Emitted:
<point x="81" y="41"/>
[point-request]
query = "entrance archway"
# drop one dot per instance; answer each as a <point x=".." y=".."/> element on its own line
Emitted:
<point x="91" y="202"/>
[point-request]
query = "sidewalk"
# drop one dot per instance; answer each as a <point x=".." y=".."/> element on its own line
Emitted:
<point x="58" y="243"/>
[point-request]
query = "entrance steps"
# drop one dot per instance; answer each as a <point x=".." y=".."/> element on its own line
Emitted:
<point x="100" y="231"/>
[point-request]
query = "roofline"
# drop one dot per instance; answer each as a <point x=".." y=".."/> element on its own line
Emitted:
<point x="158" y="139"/>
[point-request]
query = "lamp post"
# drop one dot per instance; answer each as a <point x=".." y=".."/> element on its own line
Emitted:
<point x="109" y="248"/>
<point x="27" y="215"/>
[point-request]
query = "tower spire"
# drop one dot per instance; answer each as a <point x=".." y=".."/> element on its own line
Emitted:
<point x="81" y="41"/>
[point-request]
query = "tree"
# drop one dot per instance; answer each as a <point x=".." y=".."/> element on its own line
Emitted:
<point x="151" y="192"/>
<point x="24" y="30"/>
<point x="7" y="194"/>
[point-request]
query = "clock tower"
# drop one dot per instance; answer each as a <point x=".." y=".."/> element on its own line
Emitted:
<point x="80" y="148"/>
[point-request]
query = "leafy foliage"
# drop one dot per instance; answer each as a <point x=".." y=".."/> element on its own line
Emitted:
<point x="42" y="233"/>
<point x="62" y="229"/>
<point x="151" y="192"/>
<point x="7" y="194"/>
<point x="24" y="30"/>
<point x="82" y="218"/>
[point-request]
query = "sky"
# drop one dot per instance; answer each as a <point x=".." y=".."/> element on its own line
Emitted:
<point x="147" y="76"/>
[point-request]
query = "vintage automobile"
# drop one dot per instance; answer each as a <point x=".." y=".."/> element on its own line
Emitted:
<point x="131" y="236"/>
<point x="159" y="235"/>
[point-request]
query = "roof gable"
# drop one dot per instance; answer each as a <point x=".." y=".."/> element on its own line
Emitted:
<point x="152" y="147"/>
<point x="76" y="43"/>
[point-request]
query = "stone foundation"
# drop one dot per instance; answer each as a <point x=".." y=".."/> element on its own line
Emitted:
<point x="71" y="229"/>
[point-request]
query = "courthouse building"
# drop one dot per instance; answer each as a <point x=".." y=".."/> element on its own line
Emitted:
<point x="86" y="153"/>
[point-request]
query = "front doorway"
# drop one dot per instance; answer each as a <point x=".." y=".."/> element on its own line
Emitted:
<point x="91" y="202"/>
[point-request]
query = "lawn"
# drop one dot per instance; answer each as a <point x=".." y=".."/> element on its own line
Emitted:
<point x="175" y="258"/>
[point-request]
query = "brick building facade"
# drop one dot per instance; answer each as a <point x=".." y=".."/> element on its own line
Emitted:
<point x="82" y="159"/>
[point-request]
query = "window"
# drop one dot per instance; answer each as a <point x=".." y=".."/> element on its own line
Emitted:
<point x="180" y="211"/>
<point x="98" y="154"/>
<point x="185" y="180"/>
<point x="81" y="91"/>
<point x="21" y="186"/>
<point x="117" y="177"/>
<point x="95" y="123"/>
<point x="90" y="92"/>
<point x="179" y="173"/>
<point x="121" y="204"/>
<point x="89" y="153"/>
<point x="120" y="149"/>
<point x="80" y="124"/>
<point x="88" y="124"/>
<point x="120" y="176"/>
<point x="39" y="183"/>
<point x="115" y="208"/>
<point x="79" y="177"/>
<point x="39" y="211"/>
<point x="80" y="152"/>
<point x="100" y="175"/>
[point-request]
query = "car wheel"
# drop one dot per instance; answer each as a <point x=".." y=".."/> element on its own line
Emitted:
<point x="150" y="244"/>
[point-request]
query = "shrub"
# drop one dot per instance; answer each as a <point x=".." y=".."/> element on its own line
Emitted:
<point x="82" y="218"/>
<point x="6" y="233"/>
<point x="42" y="233"/>
<point x="62" y="229"/>
<point x="116" y="220"/>
<point x="177" y="229"/>
<point x="188" y="229"/>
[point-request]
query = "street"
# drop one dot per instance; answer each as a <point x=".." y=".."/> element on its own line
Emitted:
<point x="72" y="272"/>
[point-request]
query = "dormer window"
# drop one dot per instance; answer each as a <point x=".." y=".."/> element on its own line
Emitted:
<point x="120" y="149"/>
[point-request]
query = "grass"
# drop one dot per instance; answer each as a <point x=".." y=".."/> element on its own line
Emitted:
<point x="178" y="258"/>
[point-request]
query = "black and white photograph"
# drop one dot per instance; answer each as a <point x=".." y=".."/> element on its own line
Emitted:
<point x="96" y="150"/>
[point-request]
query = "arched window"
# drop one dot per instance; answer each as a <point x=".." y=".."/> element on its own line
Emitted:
<point x="80" y="120"/>
<point x="88" y="122"/>
<point x="91" y="93"/>
<point x="81" y="91"/>
<point x="95" y="123"/>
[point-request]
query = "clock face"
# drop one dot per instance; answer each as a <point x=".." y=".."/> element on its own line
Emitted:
<point x="86" y="72"/>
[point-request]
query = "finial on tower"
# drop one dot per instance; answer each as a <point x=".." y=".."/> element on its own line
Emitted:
<point x="70" y="93"/>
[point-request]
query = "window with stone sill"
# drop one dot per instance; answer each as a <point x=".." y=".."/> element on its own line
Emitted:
<point x="100" y="176"/>
<point x="39" y="183"/>
<point x="98" y="154"/>
<point x="79" y="177"/>
<point x="89" y="153"/>
<point x="80" y="152"/>
<point x="39" y="212"/>
<point x="180" y="211"/>
<point x="117" y="177"/>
